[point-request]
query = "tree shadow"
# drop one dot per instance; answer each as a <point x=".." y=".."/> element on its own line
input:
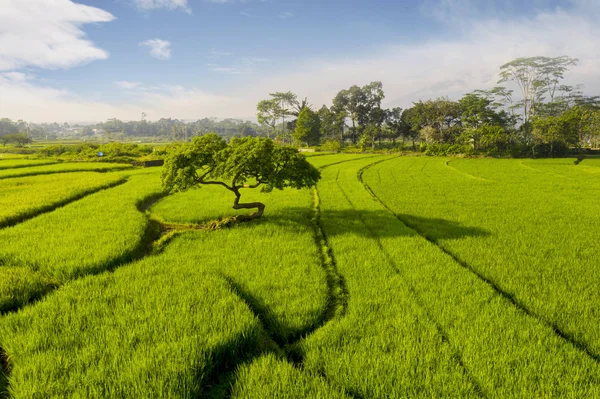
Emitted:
<point x="441" y="229"/>
<point x="382" y="222"/>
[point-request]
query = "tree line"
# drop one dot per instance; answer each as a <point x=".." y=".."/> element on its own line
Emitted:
<point x="530" y="112"/>
<point x="168" y="129"/>
<point x="543" y="118"/>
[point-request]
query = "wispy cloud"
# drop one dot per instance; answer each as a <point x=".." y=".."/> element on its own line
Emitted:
<point x="159" y="48"/>
<point x="215" y="55"/>
<point x="286" y="15"/>
<point x="147" y="5"/>
<point x="124" y="84"/>
<point x="47" y="34"/>
<point x="221" y="69"/>
<point x="467" y="60"/>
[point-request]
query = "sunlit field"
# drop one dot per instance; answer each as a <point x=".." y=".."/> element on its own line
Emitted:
<point x="394" y="277"/>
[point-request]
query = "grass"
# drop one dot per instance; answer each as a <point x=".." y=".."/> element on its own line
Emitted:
<point x="397" y="277"/>
<point x="85" y="237"/>
<point x="271" y="377"/>
<point x="272" y="266"/>
<point x="279" y="244"/>
<point x="23" y="163"/>
<point x="61" y="168"/>
<point x="23" y="198"/>
<point x="7" y="156"/>
<point x="384" y="345"/>
<point x="486" y="294"/>
<point x="144" y="331"/>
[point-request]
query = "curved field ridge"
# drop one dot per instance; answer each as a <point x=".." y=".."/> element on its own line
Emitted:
<point x="24" y="198"/>
<point x="384" y="345"/>
<point x="153" y="329"/>
<point x="286" y="305"/>
<point x="531" y="357"/>
<point x="395" y="277"/>
<point x="23" y="163"/>
<point x="88" y="236"/>
<point x="62" y="168"/>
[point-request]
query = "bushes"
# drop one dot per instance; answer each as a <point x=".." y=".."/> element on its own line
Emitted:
<point x="441" y="150"/>
<point x="331" y="145"/>
<point x="113" y="152"/>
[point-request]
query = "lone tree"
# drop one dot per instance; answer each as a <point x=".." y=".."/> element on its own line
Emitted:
<point x="247" y="162"/>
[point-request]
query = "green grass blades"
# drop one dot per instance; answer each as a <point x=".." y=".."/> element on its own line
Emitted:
<point x="273" y="262"/>
<point x="384" y="345"/>
<point x="160" y="328"/>
<point x="23" y="163"/>
<point x="512" y="348"/>
<point x="61" y="168"/>
<point x="542" y="218"/>
<point x="87" y="236"/>
<point x="20" y="285"/>
<point x="271" y="377"/>
<point x="22" y="198"/>
<point x="8" y="156"/>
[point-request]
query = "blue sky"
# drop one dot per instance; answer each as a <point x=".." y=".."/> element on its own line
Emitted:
<point x="89" y="60"/>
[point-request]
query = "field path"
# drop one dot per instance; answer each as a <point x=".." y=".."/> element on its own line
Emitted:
<point x="487" y="322"/>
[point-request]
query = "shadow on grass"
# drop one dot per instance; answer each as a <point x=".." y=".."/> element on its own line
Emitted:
<point x="386" y="224"/>
<point x="3" y="374"/>
<point x="144" y="247"/>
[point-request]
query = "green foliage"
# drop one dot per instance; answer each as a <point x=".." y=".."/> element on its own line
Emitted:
<point x="19" y="139"/>
<point x="113" y="152"/>
<point x="268" y="113"/>
<point x="257" y="161"/>
<point x="331" y="145"/>
<point x="447" y="149"/>
<point x="308" y="127"/>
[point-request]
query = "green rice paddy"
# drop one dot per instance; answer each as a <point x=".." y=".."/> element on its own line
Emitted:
<point x="395" y="277"/>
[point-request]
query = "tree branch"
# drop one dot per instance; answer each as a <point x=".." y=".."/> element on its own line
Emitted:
<point x="220" y="183"/>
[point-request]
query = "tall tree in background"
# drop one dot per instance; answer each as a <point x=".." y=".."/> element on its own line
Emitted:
<point x="308" y="127"/>
<point x="268" y="112"/>
<point x="287" y="102"/>
<point x="535" y="77"/>
<point x="396" y="125"/>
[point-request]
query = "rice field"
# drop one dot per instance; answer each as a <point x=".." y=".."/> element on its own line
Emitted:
<point x="59" y="168"/>
<point x="395" y="277"/>
<point x="23" y="163"/>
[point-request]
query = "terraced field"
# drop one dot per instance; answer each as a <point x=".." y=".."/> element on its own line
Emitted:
<point x="395" y="277"/>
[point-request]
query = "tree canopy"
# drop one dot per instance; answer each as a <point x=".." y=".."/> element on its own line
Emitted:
<point x="248" y="162"/>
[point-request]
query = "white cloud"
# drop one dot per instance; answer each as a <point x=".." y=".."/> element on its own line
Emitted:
<point x="24" y="98"/>
<point x="286" y="15"/>
<point x="423" y="70"/>
<point x="124" y="84"/>
<point x="146" y="5"/>
<point x="409" y="71"/>
<point x="159" y="48"/>
<point x="47" y="34"/>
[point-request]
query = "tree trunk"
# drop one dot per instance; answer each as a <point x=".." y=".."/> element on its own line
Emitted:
<point x="249" y="205"/>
